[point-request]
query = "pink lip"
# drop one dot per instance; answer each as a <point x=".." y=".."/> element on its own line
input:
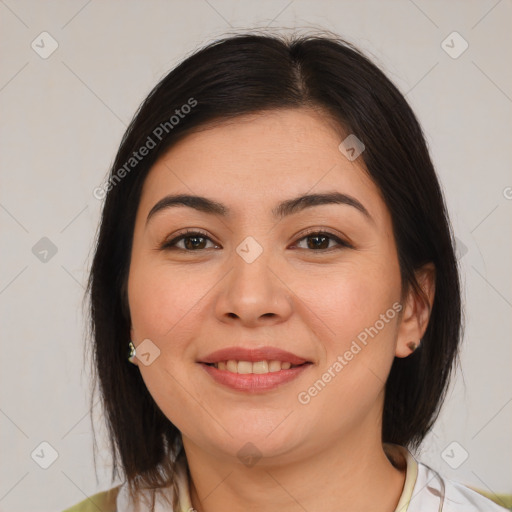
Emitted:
<point x="253" y="382"/>
<point x="253" y="355"/>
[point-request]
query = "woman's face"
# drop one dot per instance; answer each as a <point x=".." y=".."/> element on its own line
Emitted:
<point x="261" y="278"/>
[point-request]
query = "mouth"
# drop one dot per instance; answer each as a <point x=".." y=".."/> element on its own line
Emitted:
<point x="257" y="367"/>
<point x="253" y="370"/>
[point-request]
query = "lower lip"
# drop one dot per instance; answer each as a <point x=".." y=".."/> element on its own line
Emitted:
<point x="254" y="382"/>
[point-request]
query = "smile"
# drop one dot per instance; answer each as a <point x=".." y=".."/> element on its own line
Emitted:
<point x="259" y="367"/>
<point x="269" y="377"/>
<point x="253" y="370"/>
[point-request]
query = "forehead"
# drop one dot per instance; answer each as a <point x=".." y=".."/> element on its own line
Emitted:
<point x="254" y="161"/>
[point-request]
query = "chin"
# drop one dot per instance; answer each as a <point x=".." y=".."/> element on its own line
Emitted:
<point x="251" y="446"/>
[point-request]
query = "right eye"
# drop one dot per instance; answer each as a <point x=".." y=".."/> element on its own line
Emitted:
<point x="193" y="241"/>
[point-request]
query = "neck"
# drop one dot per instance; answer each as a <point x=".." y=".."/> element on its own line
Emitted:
<point x="352" y="475"/>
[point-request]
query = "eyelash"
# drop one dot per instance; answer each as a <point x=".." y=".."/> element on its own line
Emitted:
<point x="191" y="234"/>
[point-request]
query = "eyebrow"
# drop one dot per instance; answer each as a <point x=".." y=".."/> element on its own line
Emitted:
<point x="283" y="209"/>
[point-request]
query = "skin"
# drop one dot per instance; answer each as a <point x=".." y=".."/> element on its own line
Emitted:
<point x="326" y="454"/>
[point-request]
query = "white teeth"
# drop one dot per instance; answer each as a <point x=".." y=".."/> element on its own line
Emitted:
<point x="260" y="367"/>
<point x="274" y="366"/>
<point x="244" y="367"/>
<point x="232" y="366"/>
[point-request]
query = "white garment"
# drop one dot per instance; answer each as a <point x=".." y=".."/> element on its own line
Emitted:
<point x="433" y="493"/>
<point x="425" y="490"/>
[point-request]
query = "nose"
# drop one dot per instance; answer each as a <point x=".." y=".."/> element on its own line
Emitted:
<point x="254" y="293"/>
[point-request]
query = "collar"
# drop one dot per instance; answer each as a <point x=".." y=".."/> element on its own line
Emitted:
<point x="401" y="457"/>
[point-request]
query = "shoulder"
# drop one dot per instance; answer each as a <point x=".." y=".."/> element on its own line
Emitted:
<point x="453" y="496"/>
<point x="104" y="501"/>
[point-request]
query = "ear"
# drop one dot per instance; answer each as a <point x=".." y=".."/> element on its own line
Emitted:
<point x="416" y="313"/>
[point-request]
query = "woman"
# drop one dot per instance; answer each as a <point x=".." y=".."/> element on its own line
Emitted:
<point x="276" y="253"/>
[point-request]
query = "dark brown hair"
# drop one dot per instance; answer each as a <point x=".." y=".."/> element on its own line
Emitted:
<point x="250" y="73"/>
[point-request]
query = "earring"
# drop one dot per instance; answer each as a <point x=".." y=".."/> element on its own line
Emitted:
<point x="412" y="346"/>
<point x="131" y="356"/>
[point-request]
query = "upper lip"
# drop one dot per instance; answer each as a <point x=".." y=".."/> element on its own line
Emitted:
<point x="253" y="355"/>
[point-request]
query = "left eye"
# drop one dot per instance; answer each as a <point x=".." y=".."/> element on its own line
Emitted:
<point x="319" y="239"/>
<point x="194" y="240"/>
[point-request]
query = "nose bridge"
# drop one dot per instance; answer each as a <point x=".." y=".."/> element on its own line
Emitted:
<point x="252" y="288"/>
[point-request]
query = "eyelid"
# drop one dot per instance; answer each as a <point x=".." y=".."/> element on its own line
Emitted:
<point x="341" y="240"/>
<point x="183" y="234"/>
<point x="180" y="235"/>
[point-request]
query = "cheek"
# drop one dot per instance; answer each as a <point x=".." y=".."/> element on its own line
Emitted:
<point x="353" y="313"/>
<point x="162" y="300"/>
<point x="345" y="301"/>
<point x="357" y="331"/>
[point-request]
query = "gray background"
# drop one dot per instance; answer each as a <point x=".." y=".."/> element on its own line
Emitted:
<point x="62" y="118"/>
